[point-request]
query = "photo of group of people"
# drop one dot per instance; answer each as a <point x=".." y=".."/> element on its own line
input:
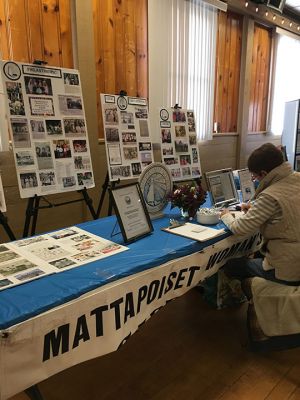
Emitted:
<point x="179" y="140"/>
<point x="48" y="129"/>
<point x="126" y="126"/>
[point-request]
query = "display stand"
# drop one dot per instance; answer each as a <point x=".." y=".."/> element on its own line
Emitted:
<point x="33" y="207"/>
<point x="34" y="393"/>
<point x="105" y="187"/>
<point x="4" y="223"/>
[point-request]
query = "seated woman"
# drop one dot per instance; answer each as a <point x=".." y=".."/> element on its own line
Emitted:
<point x="276" y="214"/>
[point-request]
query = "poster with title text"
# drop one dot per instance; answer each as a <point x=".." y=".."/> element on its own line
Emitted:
<point x="179" y="148"/>
<point x="48" y="129"/>
<point x="127" y="135"/>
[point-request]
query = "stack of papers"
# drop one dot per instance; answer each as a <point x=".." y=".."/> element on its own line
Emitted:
<point x="195" y="231"/>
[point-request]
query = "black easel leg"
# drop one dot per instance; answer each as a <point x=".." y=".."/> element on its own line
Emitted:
<point x="33" y="393"/>
<point x="104" y="188"/>
<point x="3" y="221"/>
<point x="29" y="211"/>
<point x="35" y="214"/>
<point x="89" y="203"/>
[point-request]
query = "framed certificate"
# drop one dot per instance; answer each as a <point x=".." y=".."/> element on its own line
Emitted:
<point x="131" y="211"/>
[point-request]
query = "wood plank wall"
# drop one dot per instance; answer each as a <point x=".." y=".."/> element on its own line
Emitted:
<point x="228" y="66"/>
<point x="36" y="30"/>
<point x="121" y="48"/>
<point x="260" y="74"/>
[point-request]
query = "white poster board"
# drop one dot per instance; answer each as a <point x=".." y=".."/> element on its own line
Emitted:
<point x="179" y="149"/>
<point x="2" y="197"/>
<point x="127" y="135"/>
<point x="48" y="128"/>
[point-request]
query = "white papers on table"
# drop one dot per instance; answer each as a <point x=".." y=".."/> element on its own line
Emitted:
<point x="196" y="231"/>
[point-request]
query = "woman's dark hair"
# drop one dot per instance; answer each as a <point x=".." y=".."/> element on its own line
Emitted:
<point x="265" y="158"/>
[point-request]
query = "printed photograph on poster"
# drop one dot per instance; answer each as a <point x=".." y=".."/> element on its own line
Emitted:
<point x="15" y="98"/>
<point x="20" y="132"/>
<point x="120" y="172"/>
<point x="141" y="112"/>
<point x="62" y="263"/>
<point x="71" y="79"/>
<point x="43" y="155"/>
<point x="114" y="154"/>
<point x="84" y="178"/>
<point x="33" y="273"/>
<point x="70" y="105"/>
<point x="136" y="169"/>
<point x="28" y="180"/>
<point x="179" y="139"/>
<point x="37" y="128"/>
<point x="47" y="178"/>
<point x="24" y="158"/>
<point x="54" y="127"/>
<point x="74" y="127"/>
<point x="15" y="266"/>
<point x="80" y="146"/>
<point x="112" y="135"/>
<point x="130" y="153"/>
<point x="82" y="162"/>
<point x="62" y="149"/>
<point x="41" y="106"/>
<point x="127" y="135"/>
<point x="38" y="85"/>
<point x="111" y="115"/>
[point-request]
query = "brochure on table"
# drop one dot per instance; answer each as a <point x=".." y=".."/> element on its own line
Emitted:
<point x="2" y="197"/>
<point x="45" y="110"/>
<point x="179" y="143"/>
<point x="127" y="135"/>
<point x="32" y="258"/>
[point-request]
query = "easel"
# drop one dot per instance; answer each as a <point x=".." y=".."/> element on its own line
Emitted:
<point x="105" y="187"/>
<point x="4" y="223"/>
<point x="106" y="183"/>
<point x="33" y="207"/>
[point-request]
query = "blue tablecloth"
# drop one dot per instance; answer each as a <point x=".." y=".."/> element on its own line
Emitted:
<point x="21" y="302"/>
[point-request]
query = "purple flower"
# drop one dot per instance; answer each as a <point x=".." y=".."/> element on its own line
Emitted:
<point x="188" y="197"/>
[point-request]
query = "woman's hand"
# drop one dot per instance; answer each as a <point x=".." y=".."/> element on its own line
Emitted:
<point x="223" y="212"/>
<point x="245" y="207"/>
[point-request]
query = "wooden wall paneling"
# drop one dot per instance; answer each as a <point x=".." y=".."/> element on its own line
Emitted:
<point x="18" y="24"/>
<point x="50" y="22"/>
<point x="99" y="60"/>
<point x="4" y="46"/>
<point x="260" y="70"/>
<point x="35" y="33"/>
<point x="121" y="45"/>
<point x="237" y="24"/>
<point x="108" y="43"/>
<point x="65" y="33"/>
<point x="228" y="71"/>
<point x="142" y="48"/>
<point x="130" y="43"/>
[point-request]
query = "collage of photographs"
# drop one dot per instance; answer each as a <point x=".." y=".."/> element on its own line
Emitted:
<point x="31" y="258"/>
<point x="48" y="129"/>
<point x="179" y="143"/>
<point x="127" y="135"/>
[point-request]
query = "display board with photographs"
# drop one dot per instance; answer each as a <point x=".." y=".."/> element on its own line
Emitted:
<point x="127" y="135"/>
<point x="48" y="128"/>
<point x="179" y="149"/>
<point x="27" y="259"/>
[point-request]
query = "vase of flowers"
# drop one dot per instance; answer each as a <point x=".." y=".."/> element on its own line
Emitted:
<point x="188" y="198"/>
